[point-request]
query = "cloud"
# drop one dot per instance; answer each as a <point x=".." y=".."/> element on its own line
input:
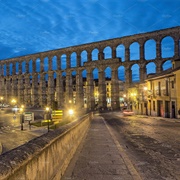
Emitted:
<point x="41" y="25"/>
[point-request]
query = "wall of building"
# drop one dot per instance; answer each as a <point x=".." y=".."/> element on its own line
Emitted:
<point x="45" y="157"/>
<point x="177" y="74"/>
<point x="164" y="97"/>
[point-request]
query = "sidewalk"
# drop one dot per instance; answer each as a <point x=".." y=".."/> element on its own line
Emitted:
<point x="100" y="157"/>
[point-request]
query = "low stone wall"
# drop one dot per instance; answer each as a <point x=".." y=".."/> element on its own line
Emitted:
<point x="45" y="157"/>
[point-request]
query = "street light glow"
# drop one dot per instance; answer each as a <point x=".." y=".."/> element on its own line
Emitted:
<point x="145" y="88"/>
<point x="47" y="109"/>
<point x="71" y="112"/>
<point x="13" y="101"/>
<point x="21" y="109"/>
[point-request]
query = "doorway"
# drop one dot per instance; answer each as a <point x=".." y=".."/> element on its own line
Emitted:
<point x="173" y="110"/>
<point x="167" y="109"/>
<point x="160" y="111"/>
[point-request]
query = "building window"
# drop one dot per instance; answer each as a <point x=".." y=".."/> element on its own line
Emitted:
<point x="167" y="88"/>
<point x="172" y="84"/>
<point x="159" y="88"/>
<point x="153" y="105"/>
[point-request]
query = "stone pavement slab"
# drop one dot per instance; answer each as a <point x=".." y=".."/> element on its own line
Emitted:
<point x="98" y="157"/>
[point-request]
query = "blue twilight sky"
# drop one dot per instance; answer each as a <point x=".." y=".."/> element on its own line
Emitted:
<point x="31" y="26"/>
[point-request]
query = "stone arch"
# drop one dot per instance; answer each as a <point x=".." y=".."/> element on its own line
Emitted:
<point x="64" y="74"/>
<point x="30" y="64"/>
<point x="73" y="73"/>
<point x="11" y="69"/>
<point x="107" y="91"/>
<point x="166" y="65"/>
<point x="54" y="63"/>
<point x="64" y="80"/>
<point x="95" y="72"/>
<point x="107" y="52"/>
<point x="46" y="64"/>
<point x="63" y="61"/>
<point x="167" y="47"/>
<point x="54" y="75"/>
<point x="23" y="67"/>
<point x="5" y="69"/>
<point x="150" y="68"/>
<point x="94" y="54"/>
<point x="38" y="78"/>
<point x="38" y="65"/>
<point x="135" y="74"/>
<point x="83" y="57"/>
<point x="121" y="73"/>
<point x="108" y="72"/>
<point x="120" y="52"/>
<point x="134" y="51"/>
<point x="84" y="73"/>
<point x="46" y="78"/>
<point x="150" y="49"/>
<point x="17" y="68"/>
<point x="73" y="60"/>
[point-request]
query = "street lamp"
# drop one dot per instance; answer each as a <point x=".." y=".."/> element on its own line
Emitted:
<point x="47" y="111"/>
<point x="13" y="101"/>
<point x="145" y="88"/>
<point x="21" y="118"/>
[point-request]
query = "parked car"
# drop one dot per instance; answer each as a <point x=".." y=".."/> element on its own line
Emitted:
<point x="128" y="112"/>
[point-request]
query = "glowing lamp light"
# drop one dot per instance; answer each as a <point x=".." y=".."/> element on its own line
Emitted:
<point x="47" y="109"/>
<point x="71" y="112"/>
<point x="21" y="109"/>
<point x="145" y="88"/>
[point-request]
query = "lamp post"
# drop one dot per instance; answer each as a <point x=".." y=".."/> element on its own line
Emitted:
<point x="47" y="111"/>
<point x="13" y="103"/>
<point x="21" y="118"/>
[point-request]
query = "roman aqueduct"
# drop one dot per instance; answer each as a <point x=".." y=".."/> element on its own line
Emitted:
<point x="40" y="79"/>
